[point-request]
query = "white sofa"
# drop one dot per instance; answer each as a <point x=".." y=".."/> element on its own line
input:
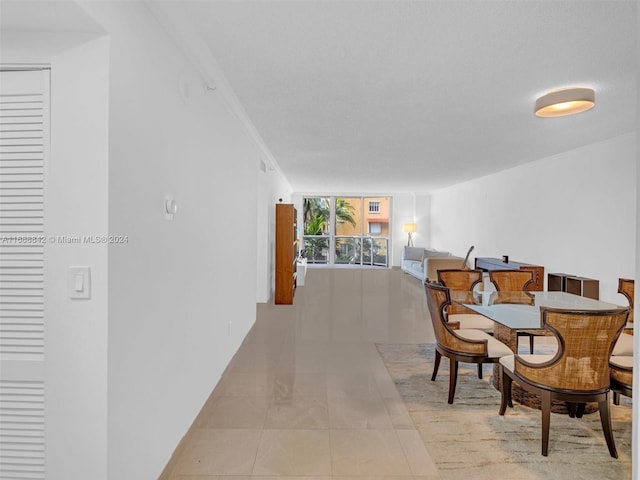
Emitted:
<point x="424" y="263"/>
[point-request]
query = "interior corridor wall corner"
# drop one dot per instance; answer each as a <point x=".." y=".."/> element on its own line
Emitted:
<point x="77" y="340"/>
<point x="271" y="185"/>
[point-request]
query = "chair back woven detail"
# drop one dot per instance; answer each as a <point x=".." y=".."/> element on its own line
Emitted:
<point x="585" y="341"/>
<point x="459" y="279"/>
<point x="516" y="297"/>
<point x="437" y="300"/>
<point x="626" y="288"/>
<point x="463" y="280"/>
<point x="511" y="280"/>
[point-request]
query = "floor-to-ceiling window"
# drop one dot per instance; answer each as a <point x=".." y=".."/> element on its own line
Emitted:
<point x="316" y="213"/>
<point x="346" y="230"/>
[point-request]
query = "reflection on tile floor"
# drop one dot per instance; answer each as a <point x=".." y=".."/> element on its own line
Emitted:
<point x="307" y="395"/>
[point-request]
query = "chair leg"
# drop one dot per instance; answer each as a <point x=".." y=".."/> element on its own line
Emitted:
<point x="616" y="398"/>
<point x="436" y="365"/>
<point x="580" y="410"/>
<point x="531" y="344"/>
<point x="605" y="420"/>
<point x="545" y="398"/>
<point x="453" y="378"/>
<point x="480" y="371"/>
<point x="506" y="391"/>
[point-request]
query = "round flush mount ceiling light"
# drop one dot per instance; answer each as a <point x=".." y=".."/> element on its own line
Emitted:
<point x="566" y="101"/>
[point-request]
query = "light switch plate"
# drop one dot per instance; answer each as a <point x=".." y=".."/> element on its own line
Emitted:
<point x="79" y="282"/>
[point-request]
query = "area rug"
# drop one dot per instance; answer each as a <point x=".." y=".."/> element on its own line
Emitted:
<point x="469" y="440"/>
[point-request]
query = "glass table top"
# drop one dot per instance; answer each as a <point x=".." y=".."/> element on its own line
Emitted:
<point x="521" y="310"/>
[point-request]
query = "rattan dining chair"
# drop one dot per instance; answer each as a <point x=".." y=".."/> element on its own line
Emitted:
<point x="467" y="345"/>
<point x="621" y="362"/>
<point x="464" y="280"/>
<point x="514" y="281"/>
<point x="511" y="280"/>
<point x="578" y="373"/>
<point x="626" y="288"/>
<point x="624" y="345"/>
<point x="621" y="376"/>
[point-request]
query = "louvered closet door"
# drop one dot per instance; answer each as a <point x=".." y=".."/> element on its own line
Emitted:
<point x="24" y="116"/>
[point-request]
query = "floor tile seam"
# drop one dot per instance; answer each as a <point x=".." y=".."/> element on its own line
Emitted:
<point x="355" y="396"/>
<point x="212" y="429"/>
<point x="404" y="450"/>
<point x="272" y="404"/>
<point x="290" y="427"/>
<point x="399" y="396"/>
<point x="336" y="422"/>
<point x="330" y="453"/>
<point x="360" y="429"/>
<point x="255" y="456"/>
<point x="384" y="430"/>
<point x="305" y="395"/>
<point x="415" y="428"/>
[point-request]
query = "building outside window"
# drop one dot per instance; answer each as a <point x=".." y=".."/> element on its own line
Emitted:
<point x="375" y="228"/>
<point x="374" y="207"/>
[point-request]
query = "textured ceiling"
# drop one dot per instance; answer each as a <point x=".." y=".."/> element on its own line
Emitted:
<point x="45" y="16"/>
<point x="404" y="96"/>
<point x="401" y="96"/>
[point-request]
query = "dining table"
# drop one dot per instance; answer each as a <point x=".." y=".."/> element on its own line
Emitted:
<point x="514" y="312"/>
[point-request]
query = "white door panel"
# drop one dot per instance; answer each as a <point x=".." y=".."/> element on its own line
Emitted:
<point x="24" y="118"/>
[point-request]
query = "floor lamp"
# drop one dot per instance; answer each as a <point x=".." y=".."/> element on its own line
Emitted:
<point x="410" y="228"/>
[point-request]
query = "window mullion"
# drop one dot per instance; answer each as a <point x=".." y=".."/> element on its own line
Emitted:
<point x="332" y="230"/>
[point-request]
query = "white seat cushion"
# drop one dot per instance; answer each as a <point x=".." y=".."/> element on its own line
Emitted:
<point x="624" y="345"/>
<point x="508" y="362"/>
<point x="472" y="320"/>
<point x="495" y="348"/>
<point x="622" y="361"/>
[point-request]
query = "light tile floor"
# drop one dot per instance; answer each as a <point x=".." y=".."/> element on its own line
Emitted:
<point x="307" y="395"/>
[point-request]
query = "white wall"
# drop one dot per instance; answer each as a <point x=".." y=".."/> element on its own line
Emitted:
<point x="181" y="293"/>
<point x="572" y="213"/>
<point x="76" y="339"/>
<point x="403" y="210"/>
<point x="423" y="219"/>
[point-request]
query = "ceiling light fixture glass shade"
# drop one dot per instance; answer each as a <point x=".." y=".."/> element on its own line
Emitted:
<point x="567" y="101"/>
